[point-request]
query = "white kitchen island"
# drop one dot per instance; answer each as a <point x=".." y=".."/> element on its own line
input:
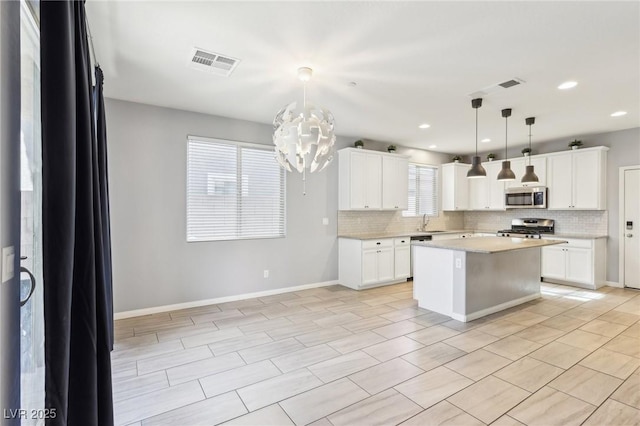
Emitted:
<point x="473" y="277"/>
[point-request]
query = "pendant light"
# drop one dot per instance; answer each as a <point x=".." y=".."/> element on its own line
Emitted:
<point x="530" y="176"/>
<point x="304" y="136"/>
<point x="476" y="170"/>
<point x="506" y="173"/>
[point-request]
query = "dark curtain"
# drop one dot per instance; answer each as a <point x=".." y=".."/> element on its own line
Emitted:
<point x="76" y="253"/>
<point x="103" y="188"/>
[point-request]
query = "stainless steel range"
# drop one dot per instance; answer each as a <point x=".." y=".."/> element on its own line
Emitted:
<point x="528" y="228"/>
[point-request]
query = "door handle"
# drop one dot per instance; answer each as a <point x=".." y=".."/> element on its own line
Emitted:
<point x="33" y="285"/>
<point x="629" y="235"/>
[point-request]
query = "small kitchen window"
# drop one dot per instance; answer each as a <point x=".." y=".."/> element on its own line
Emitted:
<point x="423" y="190"/>
<point x="235" y="191"/>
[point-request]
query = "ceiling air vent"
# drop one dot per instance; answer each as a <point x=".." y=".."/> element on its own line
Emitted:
<point x="509" y="83"/>
<point x="495" y="87"/>
<point x="211" y="62"/>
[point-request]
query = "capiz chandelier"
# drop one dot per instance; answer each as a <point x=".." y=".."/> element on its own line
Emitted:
<point x="304" y="137"/>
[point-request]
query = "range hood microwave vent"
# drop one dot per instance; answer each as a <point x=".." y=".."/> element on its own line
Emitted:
<point x="499" y="86"/>
<point x="211" y="62"/>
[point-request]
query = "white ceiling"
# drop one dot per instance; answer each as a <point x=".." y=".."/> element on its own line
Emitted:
<point x="413" y="62"/>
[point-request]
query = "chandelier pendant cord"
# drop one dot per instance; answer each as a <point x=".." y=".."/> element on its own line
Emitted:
<point x="529" y="144"/>
<point x="304" y="109"/>
<point x="506" y="124"/>
<point x="476" y="132"/>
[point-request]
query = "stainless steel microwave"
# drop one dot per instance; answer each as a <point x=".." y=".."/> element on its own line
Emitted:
<point x="527" y="197"/>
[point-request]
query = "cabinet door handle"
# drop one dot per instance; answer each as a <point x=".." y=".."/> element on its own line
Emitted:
<point x="378" y="243"/>
<point x="629" y="235"/>
<point x="403" y="240"/>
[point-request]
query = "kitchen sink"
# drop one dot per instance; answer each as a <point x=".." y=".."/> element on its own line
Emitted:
<point x="426" y="232"/>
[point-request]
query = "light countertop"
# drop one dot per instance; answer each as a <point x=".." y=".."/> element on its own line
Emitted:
<point x="380" y="235"/>
<point x="577" y="236"/>
<point x="489" y="245"/>
<point x="407" y="234"/>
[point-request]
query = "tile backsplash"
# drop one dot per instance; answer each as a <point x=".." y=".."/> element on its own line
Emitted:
<point x="566" y="222"/>
<point x="363" y="222"/>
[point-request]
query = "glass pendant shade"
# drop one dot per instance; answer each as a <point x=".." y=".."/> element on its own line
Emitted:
<point x="476" y="170"/>
<point x="506" y="173"/>
<point x="304" y="136"/>
<point x="529" y="175"/>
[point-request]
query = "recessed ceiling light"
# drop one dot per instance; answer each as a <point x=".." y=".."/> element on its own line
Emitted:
<point x="619" y="113"/>
<point x="485" y="140"/>
<point x="433" y="146"/>
<point x="424" y="126"/>
<point x="568" y="85"/>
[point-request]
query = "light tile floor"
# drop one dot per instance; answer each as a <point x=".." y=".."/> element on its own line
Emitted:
<point x="334" y="356"/>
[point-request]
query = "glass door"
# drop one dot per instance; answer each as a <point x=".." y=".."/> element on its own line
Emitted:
<point x="32" y="311"/>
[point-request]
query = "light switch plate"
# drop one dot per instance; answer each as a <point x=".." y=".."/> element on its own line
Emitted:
<point x="8" y="256"/>
<point x="325" y="220"/>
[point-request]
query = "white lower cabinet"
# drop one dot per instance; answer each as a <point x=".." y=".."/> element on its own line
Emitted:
<point x="370" y="263"/>
<point x="402" y="258"/>
<point x="580" y="262"/>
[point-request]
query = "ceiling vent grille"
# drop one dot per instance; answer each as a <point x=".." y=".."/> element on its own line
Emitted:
<point x="509" y="83"/>
<point x="500" y="86"/>
<point x="211" y="62"/>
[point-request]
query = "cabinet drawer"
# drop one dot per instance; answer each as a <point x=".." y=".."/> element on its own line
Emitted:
<point x="370" y="244"/>
<point x="574" y="242"/>
<point x="580" y="243"/>
<point x="402" y="241"/>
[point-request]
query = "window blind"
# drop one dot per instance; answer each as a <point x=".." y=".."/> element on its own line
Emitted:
<point x="234" y="191"/>
<point x="423" y="190"/>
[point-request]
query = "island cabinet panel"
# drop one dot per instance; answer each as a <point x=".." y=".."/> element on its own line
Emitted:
<point x="469" y="278"/>
<point x="371" y="263"/>
<point x="455" y="186"/>
<point x="580" y="262"/>
<point x="370" y="180"/>
<point x="577" y="179"/>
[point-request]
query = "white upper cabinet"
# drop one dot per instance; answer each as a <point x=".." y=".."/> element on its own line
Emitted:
<point x="487" y="193"/>
<point x="395" y="183"/>
<point x="455" y="186"/>
<point x="577" y="179"/>
<point x="518" y="166"/>
<point x="370" y="180"/>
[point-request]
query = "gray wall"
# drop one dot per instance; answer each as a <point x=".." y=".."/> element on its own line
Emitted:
<point x="624" y="150"/>
<point x="153" y="265"/>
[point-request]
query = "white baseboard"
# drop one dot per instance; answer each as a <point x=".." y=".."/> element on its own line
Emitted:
<point x="494" y="309"/>
<point x="205" y="302"/>
<point x="613" y="284"/>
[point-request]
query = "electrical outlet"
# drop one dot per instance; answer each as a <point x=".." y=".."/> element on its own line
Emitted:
<point x="266" y="273"/>
<point x="458" y="263"/>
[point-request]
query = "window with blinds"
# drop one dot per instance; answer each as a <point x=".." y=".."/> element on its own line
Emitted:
<point x="423" y="190"/>
<point x="234" y="191"/>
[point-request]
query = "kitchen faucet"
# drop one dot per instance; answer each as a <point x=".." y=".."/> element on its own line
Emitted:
<point x="425" y="222"/>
